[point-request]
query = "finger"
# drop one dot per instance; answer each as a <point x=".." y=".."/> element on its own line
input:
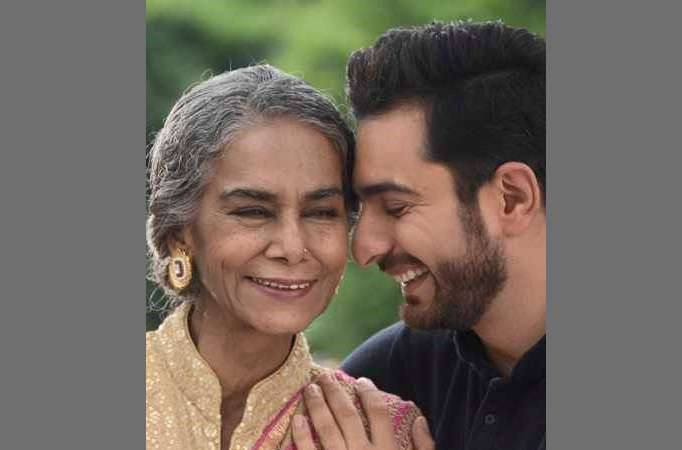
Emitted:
<point x="421" y="437"/>
<point x="375" y="406"/>
<point x="300" y="432"/>
<point x="346" y="414"/>
<point x="323" y="420"/>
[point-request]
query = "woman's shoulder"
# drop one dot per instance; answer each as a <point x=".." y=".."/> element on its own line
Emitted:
<point x="152" y="351"/>
<point x="163" y="342"/>
<point x="153" y="362"/>
<point x="156" y="364"/>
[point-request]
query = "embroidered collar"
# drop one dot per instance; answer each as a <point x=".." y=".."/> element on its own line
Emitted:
<point x="201" y="387"/>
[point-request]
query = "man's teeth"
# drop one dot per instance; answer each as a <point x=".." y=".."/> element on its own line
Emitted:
<point x="410" y="275"/>
<point x="279" y="286"/>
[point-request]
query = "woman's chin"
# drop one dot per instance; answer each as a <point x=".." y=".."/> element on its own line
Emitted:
<point x="283" y="317"/>
<point x="281" y="322"/>
<point x="281" y="329"/>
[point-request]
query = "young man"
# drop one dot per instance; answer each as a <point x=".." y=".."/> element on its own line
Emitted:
<point x="450" y="171"/>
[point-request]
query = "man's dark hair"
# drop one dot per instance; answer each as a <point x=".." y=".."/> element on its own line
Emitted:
<point x="482" y="86"/>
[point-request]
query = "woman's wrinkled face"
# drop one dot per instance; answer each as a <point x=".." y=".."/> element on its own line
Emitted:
<point x="269" y="241"/>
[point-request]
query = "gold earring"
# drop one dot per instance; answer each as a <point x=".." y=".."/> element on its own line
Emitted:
<point x="180" y="270"/>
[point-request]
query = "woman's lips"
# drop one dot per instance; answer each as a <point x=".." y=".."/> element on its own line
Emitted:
<point x="282" y="288"/>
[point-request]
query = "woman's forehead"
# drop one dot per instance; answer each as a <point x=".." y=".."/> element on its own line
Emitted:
<point x="275" y="166"/>
<point x="282" y="149"/>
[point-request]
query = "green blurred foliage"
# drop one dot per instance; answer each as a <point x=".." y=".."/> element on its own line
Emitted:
<point x="187" y="41"/>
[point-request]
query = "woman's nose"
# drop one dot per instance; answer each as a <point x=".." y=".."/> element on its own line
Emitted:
<point x="288" y="242"/>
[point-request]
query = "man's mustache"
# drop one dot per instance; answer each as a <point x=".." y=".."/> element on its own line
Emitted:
<point x="402" y="259"/>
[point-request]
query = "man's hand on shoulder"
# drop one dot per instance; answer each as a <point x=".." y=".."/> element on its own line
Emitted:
<point x="339" y="425"/>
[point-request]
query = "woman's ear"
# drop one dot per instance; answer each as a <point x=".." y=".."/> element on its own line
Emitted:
<point x="518" y="197"/>
<point x="180" y="239"/>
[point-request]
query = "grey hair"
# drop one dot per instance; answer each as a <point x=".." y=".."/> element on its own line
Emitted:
<point x="203" y="122"/>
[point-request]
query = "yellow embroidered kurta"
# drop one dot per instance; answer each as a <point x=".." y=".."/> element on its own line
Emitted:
<point x="183" y="396"/>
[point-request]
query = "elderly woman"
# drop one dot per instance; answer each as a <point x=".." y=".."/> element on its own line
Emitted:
<point x="248" y="229"/>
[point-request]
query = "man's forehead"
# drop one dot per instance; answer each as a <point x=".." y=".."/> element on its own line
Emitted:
<point x="390" y="148"/>
<point x="393" y="138"/>
<point x="408" y="116"/>
<point x="392" y="161"/>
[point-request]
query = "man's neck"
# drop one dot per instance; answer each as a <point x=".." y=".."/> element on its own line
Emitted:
<point x="513" y="324"/>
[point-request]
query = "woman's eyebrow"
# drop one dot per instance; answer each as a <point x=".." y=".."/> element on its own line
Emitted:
<point x="319" y="194"/>
<point x="242" y="192"/>
<point x="257" y="194"/>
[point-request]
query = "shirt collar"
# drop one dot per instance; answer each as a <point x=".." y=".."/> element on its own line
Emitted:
<point x="200" y="385"/>
<point x="530" y="368"/>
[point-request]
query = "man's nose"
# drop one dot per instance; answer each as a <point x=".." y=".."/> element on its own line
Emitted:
<point x="371" y="240"/>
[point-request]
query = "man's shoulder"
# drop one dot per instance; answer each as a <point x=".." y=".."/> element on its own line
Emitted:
<point x="400" y="337"/>
<point x="396" y="351"/>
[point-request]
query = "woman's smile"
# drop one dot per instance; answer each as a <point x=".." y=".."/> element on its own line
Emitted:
<point x="282" y="288"/>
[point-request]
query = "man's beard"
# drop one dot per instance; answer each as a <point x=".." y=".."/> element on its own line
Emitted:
<point x="466" y="285"/>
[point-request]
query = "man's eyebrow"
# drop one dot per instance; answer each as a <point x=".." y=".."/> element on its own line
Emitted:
<point x="253" y="194"/>
<point x="375" y="189"/>
<point x="323" y="193"/>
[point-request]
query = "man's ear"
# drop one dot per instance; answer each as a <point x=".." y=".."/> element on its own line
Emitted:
<point x="517" y="197"/>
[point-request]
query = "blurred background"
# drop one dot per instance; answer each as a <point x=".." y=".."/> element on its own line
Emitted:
<point x="190" y="40"/>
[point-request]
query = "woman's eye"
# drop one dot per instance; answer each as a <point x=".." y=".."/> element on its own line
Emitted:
<point x="323" y="214"/>
<point x="252" y="213"/>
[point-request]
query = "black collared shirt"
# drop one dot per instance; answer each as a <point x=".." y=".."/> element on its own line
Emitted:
<point x="467" y="402"/>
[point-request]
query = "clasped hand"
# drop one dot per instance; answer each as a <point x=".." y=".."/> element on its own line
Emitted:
<point x="338" y="423"/>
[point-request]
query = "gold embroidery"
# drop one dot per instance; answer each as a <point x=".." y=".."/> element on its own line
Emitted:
<point x="183" y="392"/>
<point x="183" y="395"/>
